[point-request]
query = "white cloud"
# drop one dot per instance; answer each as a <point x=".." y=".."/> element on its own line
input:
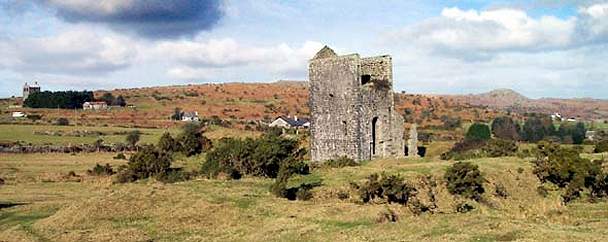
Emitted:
<point x="78" y="51"/>
<point x="197" y="58"/>
<point x="475" y="35"/>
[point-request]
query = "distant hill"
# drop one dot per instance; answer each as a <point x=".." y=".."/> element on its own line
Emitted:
<point x="512" y="101"/>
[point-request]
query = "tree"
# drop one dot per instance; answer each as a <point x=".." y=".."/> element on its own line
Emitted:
<point x="177" y="114"/>
<point x="167" y="143"/>
<point x="108" y="98"/>
<point x="119" y="101"/>
<point x="537" y="128"/>
<point x="505" y="128"/>
<point x="465" y="179"/>
<point x="572" y="132"/>
<point x="133" y="137"/>
<point x="478" y="132"/>
<point x="61" y="99"/>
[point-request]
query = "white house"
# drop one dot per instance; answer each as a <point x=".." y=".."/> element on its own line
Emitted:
<point x="287" y="122"/>
<point x="18" y="115"/>
<point x="94" y="105"/>
<point x="190" y="116"/>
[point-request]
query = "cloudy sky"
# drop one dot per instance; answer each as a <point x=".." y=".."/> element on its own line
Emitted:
<point x="540" y="48"/>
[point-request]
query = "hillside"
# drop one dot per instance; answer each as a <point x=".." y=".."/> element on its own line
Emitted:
<point x="509" y="100"/>
<point x="240" y="103"/>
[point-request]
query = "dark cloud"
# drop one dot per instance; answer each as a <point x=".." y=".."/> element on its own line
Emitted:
<point x="147" y="18"/>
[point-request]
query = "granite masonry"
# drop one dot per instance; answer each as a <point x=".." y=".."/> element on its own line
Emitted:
<point x="353" y="108"/>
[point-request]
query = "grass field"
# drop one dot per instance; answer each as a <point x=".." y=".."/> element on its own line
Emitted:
<point x="54" y="208"/>
<point x="35" y="134"/>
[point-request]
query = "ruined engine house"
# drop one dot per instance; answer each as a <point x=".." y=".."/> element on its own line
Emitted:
<point x="352" y="107"/>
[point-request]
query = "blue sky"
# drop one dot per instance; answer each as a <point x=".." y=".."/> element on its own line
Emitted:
<point x="539" y="48"/>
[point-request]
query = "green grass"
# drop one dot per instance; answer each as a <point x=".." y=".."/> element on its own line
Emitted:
<point x="28" y="134"/>
<point x="245" y="210"/>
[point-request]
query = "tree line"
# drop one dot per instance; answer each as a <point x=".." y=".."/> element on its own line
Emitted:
<point x="59" y="99"/>
<point x="69" y="99"/>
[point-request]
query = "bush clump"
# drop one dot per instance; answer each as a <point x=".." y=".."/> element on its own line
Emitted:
<point x="341" y="162"/>
<point x="119" y="156"/>
<point x="465" y="179"/>
<point x="505" y="128"/>
<point x="99" y="170"/>
<point x="390" y="188"/>
<point x="478" y="132"/>
<point x="500" y="148"/>
<point x="565" y="168"/>
<point x="147" y="162"/>
<point x="601" y="146"/>
<point x="258" y="157"/>
<point x="63" y="122"/>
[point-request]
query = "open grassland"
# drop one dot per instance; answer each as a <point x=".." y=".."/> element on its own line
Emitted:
<point x="63" y="135"/>
<point x="53" y="208"/>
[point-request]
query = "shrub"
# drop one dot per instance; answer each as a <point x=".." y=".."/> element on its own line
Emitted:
<point x="465" y="149"/>
<point x="566" y="169"/>
<point x="340" y="162"/>
<point x="505" y="128"/>
<point x="259" y="157"/>
<point x="601" y="146"/>
<point x="572" y="133"/>
<point x="478" y="132"/>
<point x="542" y="191"/>
<point x="120" y="156"/>
<point x="387" y="216"/>
<point x="465" y="179"/>
<point x="537" y="127"/>
<point x="173" y="176"/>
<point x="62" y="122"/>
<point x="391" y="188"/>
<point x="464" y="207"/>
<point x="501" y="191"/>
<point x="100" y="170"/>
<point x="562" y="166"/>
<point x="192" y="141"/>
<point x="500" y="148"/>
<point x="166" y="143"/>
<point x="133" y="137"/>
<point x="145" y="163"/>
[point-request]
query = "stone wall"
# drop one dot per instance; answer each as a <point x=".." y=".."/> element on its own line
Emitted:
<point x="344" y="109"/>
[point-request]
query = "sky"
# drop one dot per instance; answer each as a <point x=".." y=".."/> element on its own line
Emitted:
<point x="539" y="48"/>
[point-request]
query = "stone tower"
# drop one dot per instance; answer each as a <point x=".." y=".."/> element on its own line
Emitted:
<point x="352" y="107"/>
<point x="29" y="89"/>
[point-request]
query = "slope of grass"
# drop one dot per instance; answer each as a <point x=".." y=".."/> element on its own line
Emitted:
<point x="244" y="210"/>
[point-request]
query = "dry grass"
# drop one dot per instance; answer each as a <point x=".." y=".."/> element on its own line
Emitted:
<point x="244" y="210"/>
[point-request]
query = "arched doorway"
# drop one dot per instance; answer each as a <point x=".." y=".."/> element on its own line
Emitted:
<point x="374" y="138"/>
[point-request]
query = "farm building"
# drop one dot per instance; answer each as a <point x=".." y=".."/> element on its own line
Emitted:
<point x="289" y="123"/>
<point x="94" y="106"/>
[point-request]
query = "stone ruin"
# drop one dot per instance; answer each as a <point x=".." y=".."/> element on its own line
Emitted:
<point x="353" y="108"/>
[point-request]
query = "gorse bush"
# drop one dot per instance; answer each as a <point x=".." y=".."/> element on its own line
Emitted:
<point x="340" y="162"/>
<point x="478" y="132"/>
<point x="391" y="188"/>
<point x="147" y="162"/>
<point x="290" y="167"/>
<point x="258" y="157"/>
<point x="465" y="179"/>
<point x="192" y="141"/>
<point x="500" y="148"/>
<point x="166" y="143"/>
<point x="601" y="146"/>
<point x="565" y="168"/>
<point x="119" y="156"/>
<point x="99" y="170"/>
<point x="62" y="122"/>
